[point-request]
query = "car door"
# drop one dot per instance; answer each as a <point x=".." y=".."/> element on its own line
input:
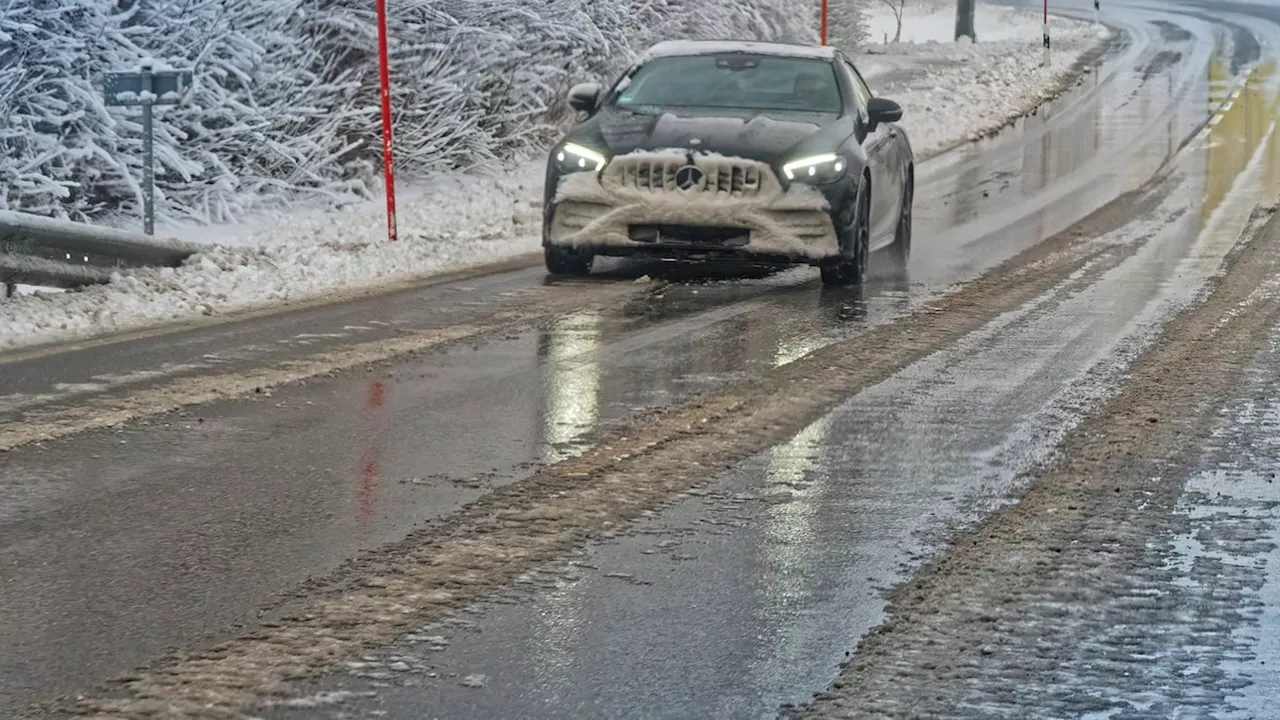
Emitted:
<point x="886" y="186"/>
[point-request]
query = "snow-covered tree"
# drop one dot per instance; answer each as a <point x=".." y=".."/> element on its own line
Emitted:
<point x="897" y="7"/>
<point x="58" y="145"/>
<point x="286" y="99"/>
<point x="848" y="23"/>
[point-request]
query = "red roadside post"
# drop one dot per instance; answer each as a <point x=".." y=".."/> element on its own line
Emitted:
<point x="824" y="22"/>
<point x="388" y="155"/>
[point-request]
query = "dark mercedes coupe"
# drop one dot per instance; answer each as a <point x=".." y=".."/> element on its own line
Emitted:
<point x="744" y="151"/>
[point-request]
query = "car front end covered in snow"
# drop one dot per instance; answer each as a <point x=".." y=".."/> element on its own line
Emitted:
<point x="690" y="205"/>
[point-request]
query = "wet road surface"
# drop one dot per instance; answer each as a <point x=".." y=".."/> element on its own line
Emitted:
<point x="184" y="529"/>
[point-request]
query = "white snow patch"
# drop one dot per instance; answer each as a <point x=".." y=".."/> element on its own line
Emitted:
<point x="950" y="92"/>
<point x="156" y="66"/>
<point x="934" y="22"/>
<point x="678" y="48"/>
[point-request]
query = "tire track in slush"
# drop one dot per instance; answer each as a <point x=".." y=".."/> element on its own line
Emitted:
<point x="375" y="599"/>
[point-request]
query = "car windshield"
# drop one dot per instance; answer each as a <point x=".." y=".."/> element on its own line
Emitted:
<point x="737" y="80"/>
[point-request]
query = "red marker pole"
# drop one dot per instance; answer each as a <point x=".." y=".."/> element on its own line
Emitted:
<point x="388" y="155"/>
<point x="823" y="32"/>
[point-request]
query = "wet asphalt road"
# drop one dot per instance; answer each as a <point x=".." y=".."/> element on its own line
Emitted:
<point x="119" y="545"/>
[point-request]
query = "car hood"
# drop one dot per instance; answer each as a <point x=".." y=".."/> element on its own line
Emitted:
<point x="770" y="137"/>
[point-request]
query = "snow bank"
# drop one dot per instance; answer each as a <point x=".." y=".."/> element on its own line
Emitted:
<point x="949" y="92"/>
<point x="935" y="22"/>
<point x="451" y="224"/>
<point x="962" y="91"/>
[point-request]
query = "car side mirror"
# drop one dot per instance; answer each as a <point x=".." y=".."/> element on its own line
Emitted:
<point x="883" y="110"/>
<point x="584" y="97"/>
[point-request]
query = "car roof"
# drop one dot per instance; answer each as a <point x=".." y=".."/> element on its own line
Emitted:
<point x="678" y="48"/>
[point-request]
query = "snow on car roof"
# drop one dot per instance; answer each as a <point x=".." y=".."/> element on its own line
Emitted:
<point x="676" y="48"/>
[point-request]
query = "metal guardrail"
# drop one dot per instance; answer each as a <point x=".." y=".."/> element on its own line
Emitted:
<point x="36" y="250"/>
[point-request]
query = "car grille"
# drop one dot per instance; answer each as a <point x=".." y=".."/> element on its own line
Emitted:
<point x="737" y="178"/>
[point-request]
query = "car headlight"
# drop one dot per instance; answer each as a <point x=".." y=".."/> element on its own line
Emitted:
<point x="573" y="158"/>
<point x="816" y="168"/>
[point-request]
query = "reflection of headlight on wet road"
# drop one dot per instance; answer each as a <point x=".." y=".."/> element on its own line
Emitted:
<point x="572" y="379"/>
<point x="790" y="524"/>
<point x="791" y="546"/>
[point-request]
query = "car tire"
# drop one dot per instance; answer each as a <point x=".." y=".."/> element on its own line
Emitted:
<point x="567" y="261"/>
<point x="855" y="240"/>
<point x="900" y="251"/>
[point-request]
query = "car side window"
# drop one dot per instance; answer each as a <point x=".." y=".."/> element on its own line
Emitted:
<point x="859" y="85"/>
<point x="862" y="94"/>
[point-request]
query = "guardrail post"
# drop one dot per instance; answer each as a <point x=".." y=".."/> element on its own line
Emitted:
<point x="148" y="155"/>
<point x="964" y="19"/>
<point x="10" y="289"/>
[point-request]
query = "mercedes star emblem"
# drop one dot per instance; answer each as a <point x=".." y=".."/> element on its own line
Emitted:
<point x="689" y="177"/>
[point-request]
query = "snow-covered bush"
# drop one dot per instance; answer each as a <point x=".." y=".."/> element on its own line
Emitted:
<point x="287" y="100"/>
<point x="847" y="23"/>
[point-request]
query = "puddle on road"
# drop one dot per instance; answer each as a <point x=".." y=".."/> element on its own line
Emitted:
<point x="1107" y="135"/>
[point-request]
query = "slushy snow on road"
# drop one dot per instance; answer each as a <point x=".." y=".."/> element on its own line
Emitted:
<point x="950" y="92"/>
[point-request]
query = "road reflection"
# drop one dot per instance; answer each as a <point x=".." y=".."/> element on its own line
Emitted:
<point x="1238" y="131"/>
<point x="569" y="352"/>
<point x="374" y="417"/>
<point x="791" y="569"/>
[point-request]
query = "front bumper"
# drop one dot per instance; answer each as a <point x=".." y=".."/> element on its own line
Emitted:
<point x="611" y="212"/>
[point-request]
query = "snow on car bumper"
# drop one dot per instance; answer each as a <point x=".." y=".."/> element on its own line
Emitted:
<point x="602" y="211"/>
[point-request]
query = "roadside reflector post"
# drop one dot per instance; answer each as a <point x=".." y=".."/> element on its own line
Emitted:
<point x="388" y="154"/>
<point x="823" y="22"/>
<point x="147" y="87"/>
<point x="964" y="20"/>
<point x="1046" y="33"/>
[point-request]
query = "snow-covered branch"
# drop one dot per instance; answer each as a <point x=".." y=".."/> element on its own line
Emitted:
<point x="286" y="98"/>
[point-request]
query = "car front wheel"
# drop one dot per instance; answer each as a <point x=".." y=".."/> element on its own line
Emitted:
<point x="901" y="248"/>
<point x="567" y="261"/>
<point x="855" y="243"/>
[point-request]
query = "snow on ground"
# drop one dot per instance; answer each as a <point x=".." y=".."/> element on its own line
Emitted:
<point x="935" y="22"/>
<point x="959" y="91"/>
<point x="950" y="92"/>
